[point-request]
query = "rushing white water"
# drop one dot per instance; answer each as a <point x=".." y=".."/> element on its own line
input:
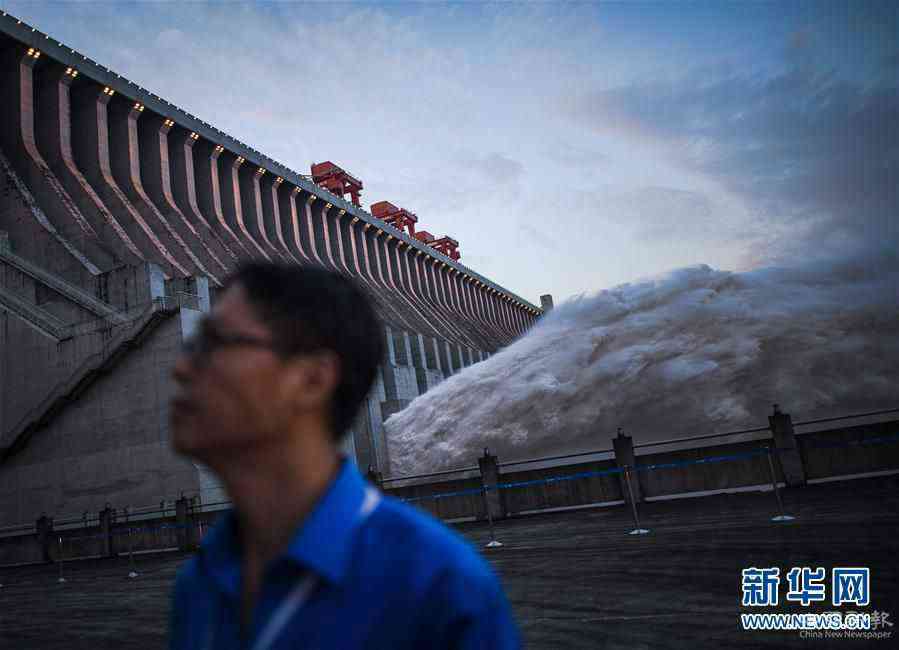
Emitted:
<point x="695" y="351"/>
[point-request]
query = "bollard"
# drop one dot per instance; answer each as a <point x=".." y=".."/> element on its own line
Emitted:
<point x="59" y="553"/>
<point x="493" y="543"/>
<point x="783" y="516"/>
<point x="638" y="530"/>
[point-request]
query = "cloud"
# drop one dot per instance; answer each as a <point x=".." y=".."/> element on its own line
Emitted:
<point x="657" y="213"/>
<point x="804" y="148"/>
<point x="495" y="168"/>
<point x="477" y="119"/>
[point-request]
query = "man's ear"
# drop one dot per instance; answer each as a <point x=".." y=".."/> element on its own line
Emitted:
<point x="310" y="380"/>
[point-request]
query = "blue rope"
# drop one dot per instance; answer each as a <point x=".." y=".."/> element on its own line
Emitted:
<point x="855" y="443"/>
<point x="701" y="461"/>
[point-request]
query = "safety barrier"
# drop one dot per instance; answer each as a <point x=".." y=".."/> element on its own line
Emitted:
<point x="65" y="544"/>
<point x="481" y="492"/>
<point x="627" y="473"/>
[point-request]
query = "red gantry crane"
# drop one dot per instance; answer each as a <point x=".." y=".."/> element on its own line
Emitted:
<point x="337" y="181"/>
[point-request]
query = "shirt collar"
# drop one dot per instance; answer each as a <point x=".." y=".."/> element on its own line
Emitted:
<point x="322" y="542"/>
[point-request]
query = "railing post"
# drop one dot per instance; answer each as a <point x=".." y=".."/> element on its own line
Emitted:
<point x="197" y="510"/>
<point x="375" y="477"/>
<point x="781" y="425"/>
<point x="181" y="521"/>
<point x="624" y="458"/>
<point x="489" y="479"/>
<point x="59" y="559"/>
<point x="107" y="518"/>
<point x="783" y="516"/>
<point x="44" y="528"/>
<point x="492" y="502"/>
<point x="638" y="529"/>
<point x="131" y="573"/>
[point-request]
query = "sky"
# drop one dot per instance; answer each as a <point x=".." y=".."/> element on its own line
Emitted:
<point x="568" y="147"/>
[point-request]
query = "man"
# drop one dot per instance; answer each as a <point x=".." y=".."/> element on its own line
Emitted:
<point x="311" y="556"/>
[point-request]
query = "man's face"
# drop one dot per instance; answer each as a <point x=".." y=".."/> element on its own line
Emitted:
<point x="231" y="392"/>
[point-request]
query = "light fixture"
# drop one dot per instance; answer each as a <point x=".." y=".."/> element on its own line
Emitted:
<point x="108" y="91"/>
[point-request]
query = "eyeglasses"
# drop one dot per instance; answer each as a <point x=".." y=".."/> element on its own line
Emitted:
<point x="207" y="339"/>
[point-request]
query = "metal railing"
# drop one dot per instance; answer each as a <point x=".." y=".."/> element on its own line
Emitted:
<point x="846" y="417"/>
<point x="628" y="473"/>
<point x="166" y="508"/>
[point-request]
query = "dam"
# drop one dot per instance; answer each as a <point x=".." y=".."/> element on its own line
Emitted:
<point x="120" y="217"/>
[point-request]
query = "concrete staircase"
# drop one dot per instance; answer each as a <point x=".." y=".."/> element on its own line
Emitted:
<point x="39" y="319"/>
<point x="93" y="367"/>
<point x="74" y="293"/>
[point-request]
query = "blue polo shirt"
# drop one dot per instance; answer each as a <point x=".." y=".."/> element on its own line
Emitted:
<point x="364" y="570"/>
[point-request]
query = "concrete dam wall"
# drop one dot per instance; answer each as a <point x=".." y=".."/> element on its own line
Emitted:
<point x="120" y="216"/>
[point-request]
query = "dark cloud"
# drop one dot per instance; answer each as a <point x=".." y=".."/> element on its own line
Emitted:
<point x="495" y="168"/>
<point x="801" y="146"/>
<point x="540" y="238"/>
<point x="579" y="157"/>
<point x="665" y="213"/>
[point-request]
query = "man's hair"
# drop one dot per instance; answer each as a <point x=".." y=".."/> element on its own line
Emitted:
<point x="308" y="309"/>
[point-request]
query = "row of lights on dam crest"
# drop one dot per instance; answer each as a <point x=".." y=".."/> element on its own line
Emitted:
<point x="35" y="53"/>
